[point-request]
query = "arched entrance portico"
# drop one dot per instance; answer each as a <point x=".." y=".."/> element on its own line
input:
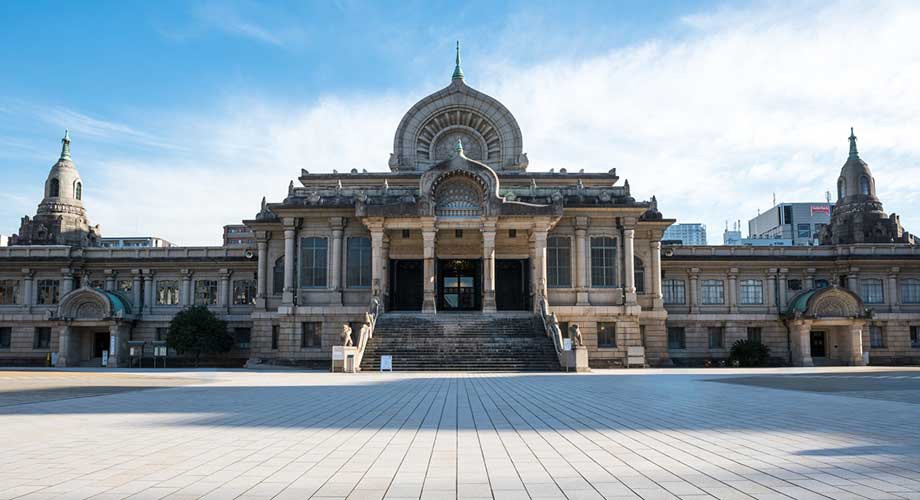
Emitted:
<point x="826" y="327"/>
<point x="90" y="321"/>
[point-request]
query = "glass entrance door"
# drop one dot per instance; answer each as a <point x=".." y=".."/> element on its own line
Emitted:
<point x="818" y="349"/>
<point x="459" y="285"/>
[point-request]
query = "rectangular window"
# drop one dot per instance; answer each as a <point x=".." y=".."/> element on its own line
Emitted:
<point x="310" y="334"/>
<point x="98" y="284"/>
<point x="915" y="336"/>
<point x="606" y="334"/>
<point x="674" y="291"/>
<point x="458" y="233"/>
<point x="804" y="230"/>
<point x="558" y="262"/>
<point x="512" y="233"/>
<point x="9" y="292"/>
<point x="278" y="277"/>
<point x="794" y="284"/>
<point x="205" y="292"/>
<point x="676" y="338"/>
<point x="167" y="293"/>
<point x="751" y="291"/>
<point x="754" y="334"/>
<point x="276" y="332"/>
<point x="48" y="292"/>
<point x="713" y="292"/>
<point x="822" y="283"/>
<point x="872" y="291"/>
<point x="42" y="338"/>
<point x="876" y="337"/>
<point x="358" y="263"/>
<point x="162" y="333"/>
<point x="406" y="233"/>
<point x="242" y="336"/>
<point x="6" y="337"/>
<point x="603" y="262"/>
<point x="244" y="292"/>
<point x="125" y="286"/>
<point x="564" y="329"/>
<point x="642" y="334"/>
<point x="716" y="337"/>
<point x="313" y="262"/>
<point x="910" y="291"/>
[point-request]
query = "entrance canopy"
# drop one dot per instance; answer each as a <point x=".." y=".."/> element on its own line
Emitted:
<point x="93" y="304"/>
<point x="827" y="303"/>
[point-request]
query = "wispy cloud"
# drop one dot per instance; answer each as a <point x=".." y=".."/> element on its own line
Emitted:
<point x="252" y="21"/>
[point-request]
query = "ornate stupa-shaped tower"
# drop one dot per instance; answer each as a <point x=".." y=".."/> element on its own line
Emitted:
<point x="858" y="216"/>
<point x="61" y="218"/>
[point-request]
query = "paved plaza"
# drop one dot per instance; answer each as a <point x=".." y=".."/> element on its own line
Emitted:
<point x="652" y="434"/>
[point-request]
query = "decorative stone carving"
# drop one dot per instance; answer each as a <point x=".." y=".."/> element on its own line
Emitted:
<point x="458" y="197"/>
<point x="89" y="310"/>
<point x="575" y="335"/>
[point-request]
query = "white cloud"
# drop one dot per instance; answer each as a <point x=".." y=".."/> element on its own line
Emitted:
<point x="748" y="104"/>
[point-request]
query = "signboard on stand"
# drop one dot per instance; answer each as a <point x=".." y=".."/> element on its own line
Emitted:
<point x="386" y="363"/>
<point x="566" y="344"/>
<point x="105" y="359"/>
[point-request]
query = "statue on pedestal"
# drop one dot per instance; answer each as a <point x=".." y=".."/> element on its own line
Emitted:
<point x="346" y="335"/>
<point x="575" y="335"/>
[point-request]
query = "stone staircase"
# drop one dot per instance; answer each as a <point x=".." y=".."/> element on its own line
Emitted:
<point x="461" y="342"/>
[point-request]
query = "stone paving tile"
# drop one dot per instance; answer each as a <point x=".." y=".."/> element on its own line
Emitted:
<point x="649" y="434"/>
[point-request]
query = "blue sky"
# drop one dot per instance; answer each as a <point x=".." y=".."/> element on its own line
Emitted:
<point x="184" y="114"/>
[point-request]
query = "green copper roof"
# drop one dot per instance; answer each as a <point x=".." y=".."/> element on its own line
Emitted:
<point x="65" y="148"/>
<point x="800" y="303"/>
<point x="853" y="152"/>
<point x="119" y="303"/>
<point x="458" y="72"/>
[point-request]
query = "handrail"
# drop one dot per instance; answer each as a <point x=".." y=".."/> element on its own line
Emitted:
<point x="551" y="326"/>
<point x="367" y="329"/>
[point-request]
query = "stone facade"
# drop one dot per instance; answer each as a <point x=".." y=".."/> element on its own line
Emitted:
<point x="459" y="223"/>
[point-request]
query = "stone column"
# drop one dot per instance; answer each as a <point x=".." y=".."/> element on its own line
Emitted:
<point x="770" y="292"/>
<point x="783" y="286"/>
<point x="853" y="280"/>
<point x="855" y="340"/>
<point x="337" y="224"/>
<point x="429" y="235"/>
<point x="488" y="266"/>
<point x="185" y="293"/>
<point x="149" y="292"/>
<point x="66" y="282"/>
<point x="262" y="268"/>
<point x="224" y="290"/>
<point x="136" y="297"/>
<point x="538" y="241"/>
<point x="629" y="267"/>
<point x="733" y="290"/>
<point x="657" y="295"/>
<point x="377" y="232"/>
<point x="800" y="332"/>
<point x="894" y="298"/>
<point x="110" y="280"/>
<point x="581" y="262"/>
<point x="385" y="273"/>
<point x="118" y="340"/>
<point x="810" y="278"/>
<point x="66" y="346"/>
<point x="693" y="292"/>
<point x="287" y="298"/>
<point x="28" y="291"/>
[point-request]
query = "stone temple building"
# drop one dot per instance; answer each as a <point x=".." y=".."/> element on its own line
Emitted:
<point x="461" y="256"/>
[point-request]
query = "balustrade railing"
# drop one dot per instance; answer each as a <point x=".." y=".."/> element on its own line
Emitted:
<point x="367" y="329"/>
<point x="551" y="326"/>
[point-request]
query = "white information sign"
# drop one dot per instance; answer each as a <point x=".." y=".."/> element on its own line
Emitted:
<point x="338" y="353"/>
<point x="112" y="340"/>
<point x="566" y="344"/>
<point x="105" y="359"/>
<point x="386" y="363"/>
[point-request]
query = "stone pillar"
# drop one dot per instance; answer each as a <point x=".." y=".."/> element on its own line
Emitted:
<point x="66" y="281"/>
<point x="800" y="332"/>
<point x="377" y="232"/>
<point x="538" y="242"/>
<point x="657" y="295"/>
<point x="810" y="278"/>
<point x="783" y="286"/>
<point x="855" y="339"/>
<point x="117" y="346"/>
<point x="629" y="267"/>
<point x="581" y="262"/>
<point x="136" y="297"/>
<point x="488" y="266"/>
<point x="429" y="234"/>
<point x="770" y="292"/>
<point x="261" y="271"/>
<point x="185" y="293"/>
<point x="110" y="280"/>
<point x="28" y="291"/>
<point x="224" y="290"/>
<point x="894" y="298"/>
<point x="149" y="292"/>
<point x="853" y="280"/>
<point x="385" y="274"/>
<point x="733" y="290"/>
<point x="337" y="224"/>
<point x="66" y="345"/>
<point x="694" y="291"/>
<point x="287" y="298"/>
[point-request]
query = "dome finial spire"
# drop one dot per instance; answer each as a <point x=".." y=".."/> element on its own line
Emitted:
<point x="853" y="152"/>
<point x="65" y="148"/>
<point x="458" y="72"/>
<point x="459" y="147"/>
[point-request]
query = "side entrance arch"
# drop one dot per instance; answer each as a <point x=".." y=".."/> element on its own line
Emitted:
<point x="826" y="327"/>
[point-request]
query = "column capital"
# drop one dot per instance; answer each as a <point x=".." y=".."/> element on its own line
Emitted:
<point x="337" y="223"/>
<point x="27" y="273"/>
<point x="629" y="233"/>
<point x="261" y="236"/>
<point x="290" y="223"/>
<point x="186" y="273"/>
<point x="894" y="270"/>
<point x="581" y="223"/>
<point x="224" y="273"/>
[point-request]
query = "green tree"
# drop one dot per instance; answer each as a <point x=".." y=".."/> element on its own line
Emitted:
<point x="197" y="330"/>
<point x="749" y="353"/>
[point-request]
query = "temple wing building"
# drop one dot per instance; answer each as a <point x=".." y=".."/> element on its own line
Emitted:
<point x="462" y="256"/>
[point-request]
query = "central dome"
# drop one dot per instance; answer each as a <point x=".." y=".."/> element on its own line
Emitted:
<point x="429" y="130"/>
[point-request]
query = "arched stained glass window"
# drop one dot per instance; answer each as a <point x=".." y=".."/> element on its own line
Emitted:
<point x="54" y="190"/>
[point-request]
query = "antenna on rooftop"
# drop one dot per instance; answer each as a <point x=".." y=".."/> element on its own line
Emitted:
<point x="827" y="196"/>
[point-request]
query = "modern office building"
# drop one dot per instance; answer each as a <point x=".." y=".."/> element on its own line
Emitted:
<point x="687" y="233"/>
<point x="800" y="223"/>
<point x="238" y="235"/>
<point x="134" y="242"/>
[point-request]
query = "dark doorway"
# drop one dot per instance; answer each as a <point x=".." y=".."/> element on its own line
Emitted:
<point x="459" y="285"/>
<point x="511" y="277"/>
<point x="406" y="277"/>
<point x="100" y="343"/>
<point x="817" y="345"/>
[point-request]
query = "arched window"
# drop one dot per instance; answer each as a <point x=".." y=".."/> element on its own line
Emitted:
<point x="313" y="261"/>
<point x="458" y="198"/>
<point x="603" y="262"/>
<point x="78" y="191"/>
<point x="841" y="189"/>
<point x="864" y="185"/>
<point x="639" y="274"/>
<point x="358" y="265"/>
<point x="54" y="190"/>
<point x="278" y="276"/>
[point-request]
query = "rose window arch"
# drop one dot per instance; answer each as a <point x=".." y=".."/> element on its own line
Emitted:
<point x="458" y="197"/>
<point x="437" y="137"/>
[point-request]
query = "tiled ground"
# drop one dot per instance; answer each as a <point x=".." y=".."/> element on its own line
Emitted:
<point x="638" y="434"/>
